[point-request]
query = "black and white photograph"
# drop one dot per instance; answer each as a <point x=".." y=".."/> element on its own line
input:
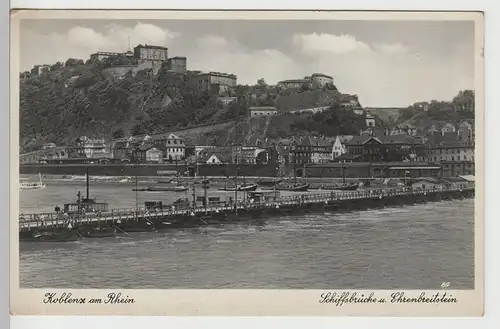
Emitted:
<point x="249" y="153"/>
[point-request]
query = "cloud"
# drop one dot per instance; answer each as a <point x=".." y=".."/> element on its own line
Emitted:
<point x="392" y="48"/>
<point x="215" y="53"/>
<point x="314" y="44"/>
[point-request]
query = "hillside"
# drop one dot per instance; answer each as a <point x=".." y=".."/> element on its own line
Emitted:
<point x="306" y="99"/>
<point x="262" y="130"/>
<point x="80" y="98"/>
<point x="387" y="114"/>
<point x="439" y="113"/>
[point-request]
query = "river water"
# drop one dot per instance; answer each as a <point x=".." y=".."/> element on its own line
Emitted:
<point x="408" y="247"/>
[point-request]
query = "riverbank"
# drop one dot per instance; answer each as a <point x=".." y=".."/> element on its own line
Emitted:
<point x="216" y="181"/>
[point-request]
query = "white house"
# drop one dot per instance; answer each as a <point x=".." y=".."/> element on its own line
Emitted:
<point x="213" y="159"/>
<point x="448" y="128"/>
<point x="175" y="149"/>
<point x="339" y="145"/>
<point x="257" y="111"/>
<point x="338" y="148"/>
<point x="225" y="101"/>
<point x="370" y="120"/>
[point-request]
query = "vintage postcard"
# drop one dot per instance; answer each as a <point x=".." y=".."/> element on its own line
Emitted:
<point x="247" y="163"/>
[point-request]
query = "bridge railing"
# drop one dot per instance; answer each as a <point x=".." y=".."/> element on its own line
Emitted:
<point x="142" y="212"/>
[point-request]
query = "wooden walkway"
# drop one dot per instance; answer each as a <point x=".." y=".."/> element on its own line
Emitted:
<point x="118" y="216"/>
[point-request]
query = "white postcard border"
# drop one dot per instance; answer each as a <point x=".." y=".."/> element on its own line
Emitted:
<point x="245" y="302"/>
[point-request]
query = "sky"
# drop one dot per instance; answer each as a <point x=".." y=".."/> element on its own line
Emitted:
<point x="386" y="63"/>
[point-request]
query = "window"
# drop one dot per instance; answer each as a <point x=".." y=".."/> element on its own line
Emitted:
<point x="452" y="158"/>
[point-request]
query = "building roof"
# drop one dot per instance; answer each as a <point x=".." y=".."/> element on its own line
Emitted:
<point x="454" y="144"/>
<point x="345" y="138"/>
<point x="428" y="180"/>
<point x="469" y="178"/>
<point x="407" y="125"/>
<point x="262" y="108"/>
<point x="295" y="81"/>
<point x="321" y="75"/>
<point x="448" y="125"/>
<point x="147" y="146"/>
<point x="348" y="157"/>
<point x="395" y="139"/>
<point x="150" y="46"/>
<point x="219" y="74"/>
<point x="414" y="167"/>
<point x="465" y="124"/>
<point x="222" y="156"/>
<point x="320" y="142"/>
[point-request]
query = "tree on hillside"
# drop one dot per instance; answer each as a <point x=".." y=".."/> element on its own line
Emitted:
<point x="57" y="66"/>
<point x="261" y="82"/>
<point x="407" y="113"/>
<point x="74" y="62"/>
<point x="118" y="133"/>
<point x="118" y="60"/>
<point x="334" y="121"/>
<point x="138" y="129"/>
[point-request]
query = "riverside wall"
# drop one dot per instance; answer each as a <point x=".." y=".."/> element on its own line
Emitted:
<point x="331" y="170"/>
<point x="146" y="169"/>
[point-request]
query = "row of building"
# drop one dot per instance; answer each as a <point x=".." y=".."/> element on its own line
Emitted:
<point x="315" y="81"/>
<point x="452" y="146"/>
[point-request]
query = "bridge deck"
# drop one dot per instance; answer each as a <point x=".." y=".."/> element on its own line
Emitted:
<point x="35" y="220"/>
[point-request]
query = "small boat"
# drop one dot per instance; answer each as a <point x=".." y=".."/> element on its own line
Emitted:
<point x="269" y="182"/>
<point x="156" y="188"/>
<point x="294" y="188"/>
<point x="166" y="182"/>
<point x="32" y="185"/>
<point x="347" y="187"/>
<point x="56" y="236"/>
<point x="99" y="232"/>
<point x="248" y="187"/>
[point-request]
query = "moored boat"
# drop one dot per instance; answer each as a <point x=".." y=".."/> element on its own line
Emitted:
<point x="98" y="232"/>
<point x="269" y="182"/>
<point x="156" y="188"/>
<point x="65" y="235"/>
<point x="32" y="185"/>
<point x="247" y="187"/>
<point x="347" y="187"/>
<point x="294" y="188"/>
